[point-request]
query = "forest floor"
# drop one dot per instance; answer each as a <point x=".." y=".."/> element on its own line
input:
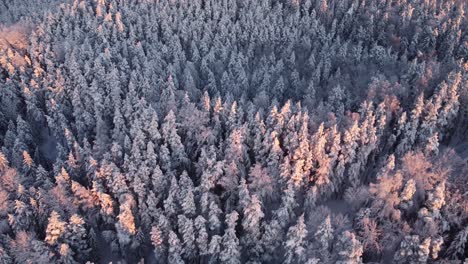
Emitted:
<point x="48" y="145"/>
<point x="338" y="207"/>
<point x="462" y="150"/>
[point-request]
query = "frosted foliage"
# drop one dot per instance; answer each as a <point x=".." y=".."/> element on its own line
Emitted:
<point x="186" y="229"/>
<point x="459" y="244"/>
<point x="77" y="236"/>
<point x="324" y="234"/>
<point x="296" y="243"/>
<point x="156" y="237"/>
<point x="126" y="221"/>
<point x="436" y="197"/>
<point x="253" y="215"/>
<point x="3" y="161"/>
<point x="348" y="249"/>
<point x="202" y="235"/>
<point x="230" y="252"/>
<point x="174" y="256"/>
<point x="408" y="190"/>
<point x="55" y="228"/>
<point x="234" y="131"/>
<point x="412" y="250"/>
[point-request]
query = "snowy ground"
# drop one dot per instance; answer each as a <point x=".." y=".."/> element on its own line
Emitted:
<point x="462" y="150"/>
<point x="48" y="145"/>
<point x="338" y="207"/>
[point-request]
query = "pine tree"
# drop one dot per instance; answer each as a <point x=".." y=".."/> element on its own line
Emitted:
<point x="230" y="252"/>
<point x="407" y="194"/>
<point x="432" y="146"/>
<point x="271" y="240"/>
<point x="126" y="221"/>
<point x="244" y="194"/>
<point x="4" y="257"/>
<point x="201" y="236"/>
<point x="168" y="97"/>
<point x="436" y="197"/>
<point x="324" y="238"/>
<point x="295" y="244"/>
<point x="55" y="229"/>
<point x="369" y="234"/>
<point x="157" y="242"/>
<point x="253" y="215"/>
<point x="412" y="250"/>
<point x="66" y="255"/>
<point x="175" y="250"/>
<point x="186" y="195"/>
<point x="173" y="140"/>
<point x="3" y="162"/>
<point x="77" y="237"/>
<point x="27" y="160"/>
<point x="285" y="212"/>
<point x="186" y="230"/>
<point x="348" y="249"/>
<point x="171" y="203"/>
<point x="213" y="217"/>
<point x="458" y="246"/>
<point x="214" y="249"/>
<point x="22" y="217"/>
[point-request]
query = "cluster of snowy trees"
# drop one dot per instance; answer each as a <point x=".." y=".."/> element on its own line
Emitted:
<point x="234" y="131"/>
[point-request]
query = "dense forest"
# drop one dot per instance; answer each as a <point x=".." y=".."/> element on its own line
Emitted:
<point x="233" y="131"/>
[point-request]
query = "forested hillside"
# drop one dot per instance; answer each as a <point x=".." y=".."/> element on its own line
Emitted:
<point x="234" y="131"/>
